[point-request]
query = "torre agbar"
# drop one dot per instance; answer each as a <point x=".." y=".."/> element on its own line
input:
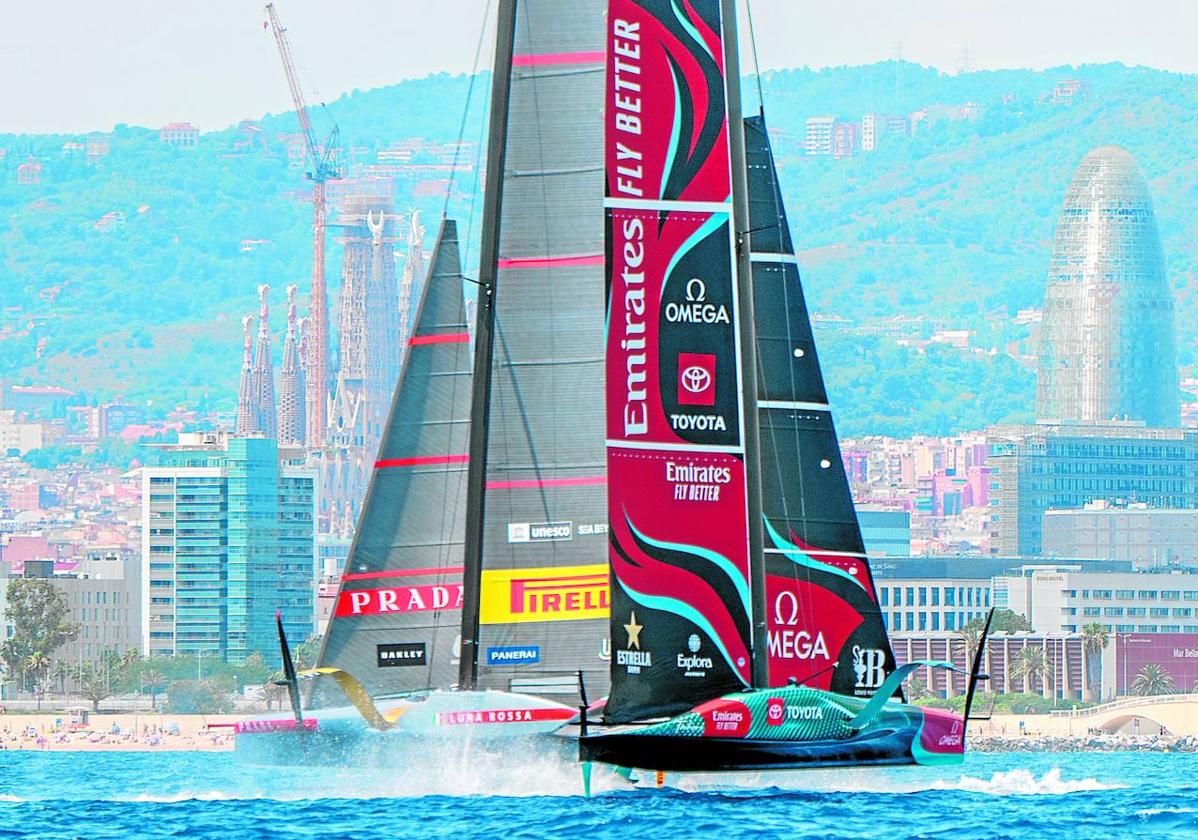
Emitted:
<point x="1107" y="347"/>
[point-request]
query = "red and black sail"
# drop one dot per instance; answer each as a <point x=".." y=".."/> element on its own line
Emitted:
<point x="681" y="617"/>
<point x="727" y="497"/>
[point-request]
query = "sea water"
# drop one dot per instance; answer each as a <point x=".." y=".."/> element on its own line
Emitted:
<point x="211" y="795"/>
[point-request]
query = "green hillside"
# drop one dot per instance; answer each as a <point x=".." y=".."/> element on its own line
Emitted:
<point x="954" y="224"/>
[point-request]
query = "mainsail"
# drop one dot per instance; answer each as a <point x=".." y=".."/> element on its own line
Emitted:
<point x="735" y="553"/>
<point x="540" y="547"/>
<point x="824" y="626"/>
<point x="397" y="614"/>
<point x="677" y="495"/>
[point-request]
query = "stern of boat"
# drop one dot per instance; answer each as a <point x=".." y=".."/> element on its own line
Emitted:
<point x="784" y="728"/>
<point x="342" y="736"/>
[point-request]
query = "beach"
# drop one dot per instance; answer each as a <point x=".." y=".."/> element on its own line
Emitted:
<point x="147" y="732"/>
<point x="141" y="732"/>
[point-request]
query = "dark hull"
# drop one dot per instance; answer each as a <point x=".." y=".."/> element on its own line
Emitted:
<point x="786" y="728"/>
<point x="670" y="752"/>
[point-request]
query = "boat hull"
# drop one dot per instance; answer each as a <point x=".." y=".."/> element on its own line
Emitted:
<point x="436" y="720"/>
<point x="780" y="729"/>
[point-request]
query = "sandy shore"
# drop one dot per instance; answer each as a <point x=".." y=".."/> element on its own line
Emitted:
<point x="210" y="733"/>
<point x="128" y="732"/>
<point x="1049" y="726"/>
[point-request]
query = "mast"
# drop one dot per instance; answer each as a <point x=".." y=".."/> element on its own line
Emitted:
<point x="748" y="345"/>
<point x="488" y="271"/>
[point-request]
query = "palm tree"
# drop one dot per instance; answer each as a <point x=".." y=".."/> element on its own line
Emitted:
<point x="59" y="672"/>
<point x="153" y="680"/>
<point x="970" y="634"/>
<point x="35" y="666"/>
<point x="273" y="692"/>
<point x="1031" y="665"/>
<point x="1152" y="680"/>
<point x="1095" y="639"/>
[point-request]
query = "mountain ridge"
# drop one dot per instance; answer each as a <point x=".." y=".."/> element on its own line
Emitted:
<point x="954" y="224"/>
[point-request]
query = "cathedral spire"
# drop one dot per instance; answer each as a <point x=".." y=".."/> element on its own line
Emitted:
<point x="291" y="382"/>
<point x="264" y="375"/>
<point x="246" y="421"/>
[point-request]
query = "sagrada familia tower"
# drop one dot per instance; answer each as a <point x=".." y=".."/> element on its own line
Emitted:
<point x="374" y="316"/>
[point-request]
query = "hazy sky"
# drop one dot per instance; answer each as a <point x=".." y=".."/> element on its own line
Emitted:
<point x="83" y="66"/>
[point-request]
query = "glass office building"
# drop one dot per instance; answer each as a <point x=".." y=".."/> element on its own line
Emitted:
<point x="1045" y="466"/>
<point x="228" y="538"/>
<point x="1107" y="348"/>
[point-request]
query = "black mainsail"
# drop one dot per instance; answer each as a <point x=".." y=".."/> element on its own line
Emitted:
<point x="397" y="614"/>
<point x="537" y="557"/>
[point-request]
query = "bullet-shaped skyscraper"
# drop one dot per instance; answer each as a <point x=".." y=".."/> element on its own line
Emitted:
<point x="1107" y="347"/>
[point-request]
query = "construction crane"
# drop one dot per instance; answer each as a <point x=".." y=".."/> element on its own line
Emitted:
<point x="325" y="164"/>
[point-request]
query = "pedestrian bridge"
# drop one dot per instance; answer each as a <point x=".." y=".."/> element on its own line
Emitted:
<point x="1178" y="713"/>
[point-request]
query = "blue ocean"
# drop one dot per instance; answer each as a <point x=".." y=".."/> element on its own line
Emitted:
<point x="211" y="795"/>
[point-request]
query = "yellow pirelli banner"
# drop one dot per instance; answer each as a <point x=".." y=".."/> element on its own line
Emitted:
<point x="564" y="593"/>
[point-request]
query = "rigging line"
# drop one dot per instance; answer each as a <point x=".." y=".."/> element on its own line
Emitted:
<point x="525" y="426"/>
<point x="756" y="66"/>
<point x="464" y="256"/>
<point x="478" y="166"/>
<point x="457" y="149"/>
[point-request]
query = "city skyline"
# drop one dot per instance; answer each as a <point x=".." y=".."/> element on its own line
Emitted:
<point x="578" y="414"/>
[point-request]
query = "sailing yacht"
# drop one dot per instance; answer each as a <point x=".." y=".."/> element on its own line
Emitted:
<point x="476" y="587"/>
<point x="745" y="624"/>
<point x="632" y="488"/>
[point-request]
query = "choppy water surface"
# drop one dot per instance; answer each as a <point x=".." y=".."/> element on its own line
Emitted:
<point x="202" y="795"/>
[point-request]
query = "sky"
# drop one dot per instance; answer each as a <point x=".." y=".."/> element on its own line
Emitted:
<point x="78" y="67"/>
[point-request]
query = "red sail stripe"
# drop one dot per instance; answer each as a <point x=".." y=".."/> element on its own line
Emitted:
<point x="448" y="570"/>
<point x="421" y="461"/>
<point x="540" y="59"/>
<point x="522" y="483"/>
<point x="442" y="338"/>
<point x="552" y="262"/>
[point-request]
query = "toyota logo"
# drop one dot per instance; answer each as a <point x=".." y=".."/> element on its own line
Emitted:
<point x="696" y="380"/>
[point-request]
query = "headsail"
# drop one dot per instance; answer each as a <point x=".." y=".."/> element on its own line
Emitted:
<point x="543" y="576"/>
<point x="397" y="615"/>
<point x="824" y="626"/>
<point x="679" y="550"/>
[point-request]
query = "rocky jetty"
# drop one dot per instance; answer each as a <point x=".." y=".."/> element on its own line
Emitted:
<point x="1092" y="742"/>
